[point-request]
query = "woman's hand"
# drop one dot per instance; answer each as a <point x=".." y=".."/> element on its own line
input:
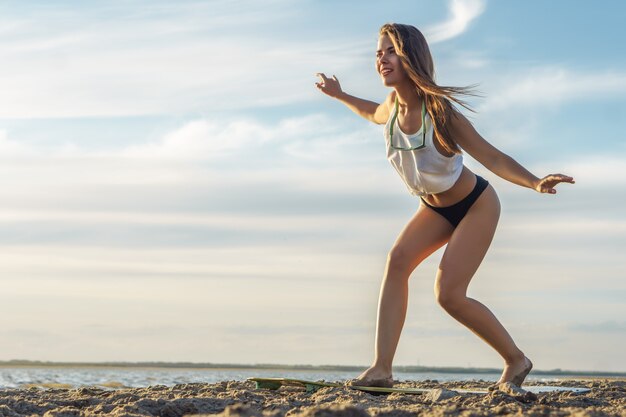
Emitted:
<point x="547" y="183"/>
<point x="329" y="86"/>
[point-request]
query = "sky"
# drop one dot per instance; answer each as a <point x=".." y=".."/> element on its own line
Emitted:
<point x="173" y="187"/>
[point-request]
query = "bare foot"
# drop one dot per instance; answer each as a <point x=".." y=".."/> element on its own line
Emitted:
<point x="515" y="372"/>
<point x="373" y="377"/>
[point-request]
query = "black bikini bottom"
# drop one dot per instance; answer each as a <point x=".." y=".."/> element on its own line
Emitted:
<point x="455" y="213"/>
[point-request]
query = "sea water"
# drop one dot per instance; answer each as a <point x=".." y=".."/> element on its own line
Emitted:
<point x="120" y="377"/>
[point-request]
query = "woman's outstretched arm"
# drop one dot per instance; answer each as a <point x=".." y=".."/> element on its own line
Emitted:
<point x="374" y="112"/>
<point x="498" y="162"/>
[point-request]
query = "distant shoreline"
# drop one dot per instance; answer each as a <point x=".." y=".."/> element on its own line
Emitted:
<point x="348" y="368"/>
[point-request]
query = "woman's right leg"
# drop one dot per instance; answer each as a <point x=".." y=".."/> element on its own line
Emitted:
<point x="426" y="232"/>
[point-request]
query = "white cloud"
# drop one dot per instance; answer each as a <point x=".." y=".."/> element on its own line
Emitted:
<point x="552" y="85"/>
<point x="591" y="170"/>
<point x="313" y="152"/>
<point x="276" y="223"/>
<point x="463" y="12"/>
<point x="469" y="59"/>
<point x="201" y="139"/>
<point x="313" y="137"/>
<point x="183" y="59"/>
<point x="10" y="147"/>
<point x="198" y="139"/>
<point x="187" y="59"/>
<point x="609" y="326"/>
<point x="210" y="263"/>
<point x="570" y="226"/>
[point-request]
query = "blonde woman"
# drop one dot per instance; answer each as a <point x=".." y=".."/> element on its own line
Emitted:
<point x="424" y="135"/>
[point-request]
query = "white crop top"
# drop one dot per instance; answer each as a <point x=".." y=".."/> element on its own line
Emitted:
<point x="424" y="170"/>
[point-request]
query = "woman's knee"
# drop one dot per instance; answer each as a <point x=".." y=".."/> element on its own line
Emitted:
<point x="401" y="259"/>
<point x="449" y="299"/>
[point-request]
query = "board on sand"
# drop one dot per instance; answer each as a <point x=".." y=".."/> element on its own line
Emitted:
<point x="312" y="386"/>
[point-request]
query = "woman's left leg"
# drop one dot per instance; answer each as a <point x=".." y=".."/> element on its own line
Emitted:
<point x="465" y="251"/>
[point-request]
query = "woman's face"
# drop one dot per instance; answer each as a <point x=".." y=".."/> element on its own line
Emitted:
<point x="388" y="64"/>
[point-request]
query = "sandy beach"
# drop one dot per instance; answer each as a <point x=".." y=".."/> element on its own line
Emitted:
<point x="242" y="398"/>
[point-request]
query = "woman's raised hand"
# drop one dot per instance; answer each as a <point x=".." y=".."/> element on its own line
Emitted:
<point x="547" y="183"/>
<point x="328" y="86"/>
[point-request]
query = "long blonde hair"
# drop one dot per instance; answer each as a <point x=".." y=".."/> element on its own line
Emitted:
<point x="411" y="47"/>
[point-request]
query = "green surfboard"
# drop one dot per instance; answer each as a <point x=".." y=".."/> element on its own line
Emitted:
<point x="312" y="386"/>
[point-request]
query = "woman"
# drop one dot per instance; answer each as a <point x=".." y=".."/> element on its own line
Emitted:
<point x="457" y="207"/>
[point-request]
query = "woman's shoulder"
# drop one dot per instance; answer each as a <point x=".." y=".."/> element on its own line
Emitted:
<point x="384" y="110"/>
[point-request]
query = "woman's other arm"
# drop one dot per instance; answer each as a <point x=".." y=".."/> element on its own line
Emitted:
<point x="498" y="162"/>
<point x="374" y="112"/>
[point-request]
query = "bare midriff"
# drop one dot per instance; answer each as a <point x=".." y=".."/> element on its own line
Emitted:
<point x="461" y="188"/>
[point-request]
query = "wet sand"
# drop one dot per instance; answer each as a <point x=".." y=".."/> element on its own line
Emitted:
<point x="242" y="399"/>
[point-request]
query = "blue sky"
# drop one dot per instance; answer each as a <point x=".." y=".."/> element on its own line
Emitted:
<point x="175" y="188"/>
